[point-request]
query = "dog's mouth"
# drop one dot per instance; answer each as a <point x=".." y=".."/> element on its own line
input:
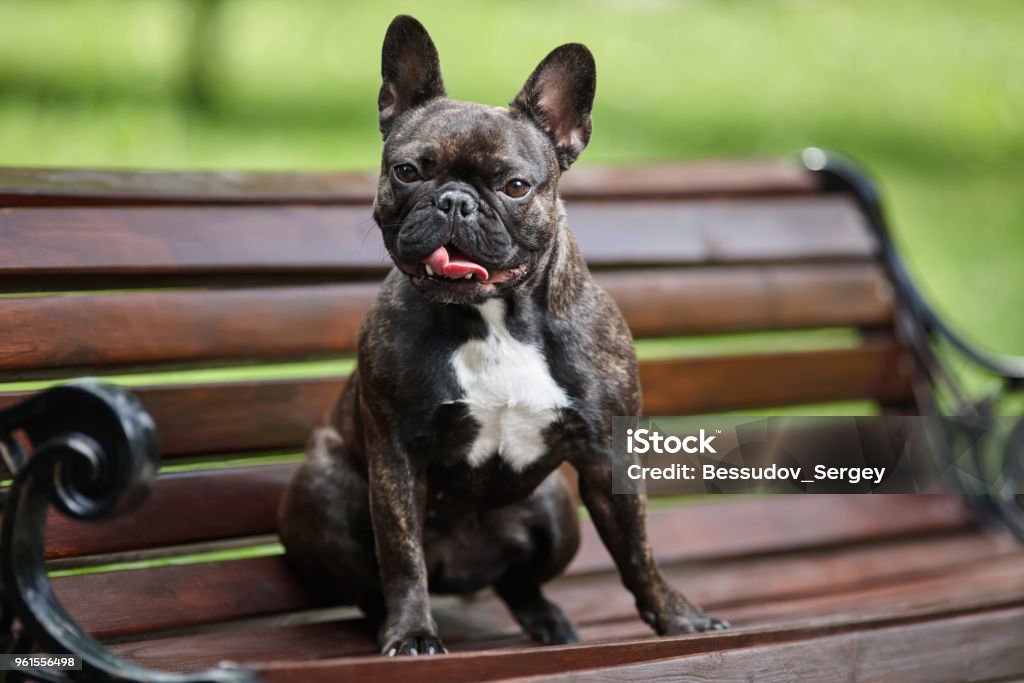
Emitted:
<point x="453" y="265"/>
<point x="451" y="268"/>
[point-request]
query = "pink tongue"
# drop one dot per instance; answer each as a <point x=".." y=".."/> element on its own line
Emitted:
<point x="453" y="265"/>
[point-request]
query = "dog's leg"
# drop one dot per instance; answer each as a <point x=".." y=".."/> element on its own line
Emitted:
<point x="553" y="529"/>
<point x="397" y="500"/>
<point x="542" y="620"/>
<point x="324" y="524"/>
<point x="621" y="521"/>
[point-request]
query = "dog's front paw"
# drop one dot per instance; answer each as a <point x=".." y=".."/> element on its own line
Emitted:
<point x="675" y="615"/>
<point x="414" y="644"/>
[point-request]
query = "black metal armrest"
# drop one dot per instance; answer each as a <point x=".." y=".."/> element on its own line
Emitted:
<point x="92" y="452"/>
<point x="973" y="431"/>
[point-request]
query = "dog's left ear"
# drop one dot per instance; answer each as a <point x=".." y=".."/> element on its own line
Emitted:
<point x="558" y="97"/>
<point x="409" y="68"/>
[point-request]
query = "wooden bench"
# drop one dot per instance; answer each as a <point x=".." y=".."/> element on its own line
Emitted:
<point x="230" y="303"/>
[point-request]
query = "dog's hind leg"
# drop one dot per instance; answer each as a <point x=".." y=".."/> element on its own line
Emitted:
<point x="554" y="530"/>
<point x="324" y="524"/>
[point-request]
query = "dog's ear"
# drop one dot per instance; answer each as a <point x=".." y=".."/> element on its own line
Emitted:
<point x="558" y="97"/>
<point x="409" y="68"/>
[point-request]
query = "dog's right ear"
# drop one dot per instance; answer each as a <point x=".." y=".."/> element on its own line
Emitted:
<point x="410" y="69"/>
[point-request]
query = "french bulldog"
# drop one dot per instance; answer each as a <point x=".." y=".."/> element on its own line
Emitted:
<point x="489" y="358"/>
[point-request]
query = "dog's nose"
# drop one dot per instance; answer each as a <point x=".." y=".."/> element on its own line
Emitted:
<point x="450" y="201"/>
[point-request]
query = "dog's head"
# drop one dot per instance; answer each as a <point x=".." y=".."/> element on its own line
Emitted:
<point x="468" y="194"/>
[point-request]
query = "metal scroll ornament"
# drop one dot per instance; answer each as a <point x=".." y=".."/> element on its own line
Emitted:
<point x="90" y="450"/>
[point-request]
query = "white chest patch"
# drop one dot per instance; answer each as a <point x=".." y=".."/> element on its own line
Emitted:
<point x="508" y="390"/>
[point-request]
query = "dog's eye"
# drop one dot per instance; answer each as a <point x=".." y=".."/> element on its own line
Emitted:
<point x="406" y="173"/>
<point x="517" y="187"/>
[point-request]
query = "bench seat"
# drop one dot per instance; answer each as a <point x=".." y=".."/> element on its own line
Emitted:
<point x="229" y="304"/>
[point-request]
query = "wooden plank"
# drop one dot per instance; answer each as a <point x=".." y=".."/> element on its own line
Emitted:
<point x="754" y="526"/>
<point x="973" y="588"/>
<point x="672" y="233"/>
<point x="96" y="330"/>
<point x="707" y="178"/>
<point x="238" y="417"/>
<point x="983" y="646"/>
<point x="83" y="331"/>
<point x="78" y="187"/>
<point x="111" y="604"/>
<point x="136" y="601"/>
<point x="40" y="187"/>
<point x="185" y="507"/>
<point x="935" y="591"/>
<point x="233" y="417"/>
<point x="263" y="415"/>
<point x="299" y="642"/>
<point x="678" y="301"/>
<point x="142" y="241"/>
<point x="343" y="240"/>
<point x="877" y="370"/>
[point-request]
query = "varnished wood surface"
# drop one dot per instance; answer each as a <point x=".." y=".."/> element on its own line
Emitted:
<point x="274" y="323"/>
<point x="343" y="241"/>
<point x="768" y="599"/>
<point x="40" y="186"/>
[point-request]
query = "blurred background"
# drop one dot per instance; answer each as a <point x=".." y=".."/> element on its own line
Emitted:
<point x="927" y="94"/>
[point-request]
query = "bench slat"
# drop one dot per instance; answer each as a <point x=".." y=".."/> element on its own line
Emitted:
<point x="60" y="187"/>
<point x="101" y="330"/>
<point x="125" y="329"/>
<point x="108" y="603"/>
<point x="342" y="240"/>
<point x="184" y="507"/>
<point x="136" y="601"/>
<point x="279" y="414"/>
<point x="142" y="241"/>
<point x="670" y="302"/>
<point x="689" y="386"/>
<point x="233" y="417"/>
<point x="31" y="186"/>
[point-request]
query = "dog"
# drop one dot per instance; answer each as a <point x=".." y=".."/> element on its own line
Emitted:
<point x="489" y="358"/>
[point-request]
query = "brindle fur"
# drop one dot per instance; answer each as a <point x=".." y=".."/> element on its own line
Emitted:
<point x="386" y="506"/>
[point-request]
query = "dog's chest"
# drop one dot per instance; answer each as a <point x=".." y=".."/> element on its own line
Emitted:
<point x="508" y="390"/>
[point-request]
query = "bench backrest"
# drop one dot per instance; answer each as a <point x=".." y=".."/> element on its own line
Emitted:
<point x="232" y="302"/>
